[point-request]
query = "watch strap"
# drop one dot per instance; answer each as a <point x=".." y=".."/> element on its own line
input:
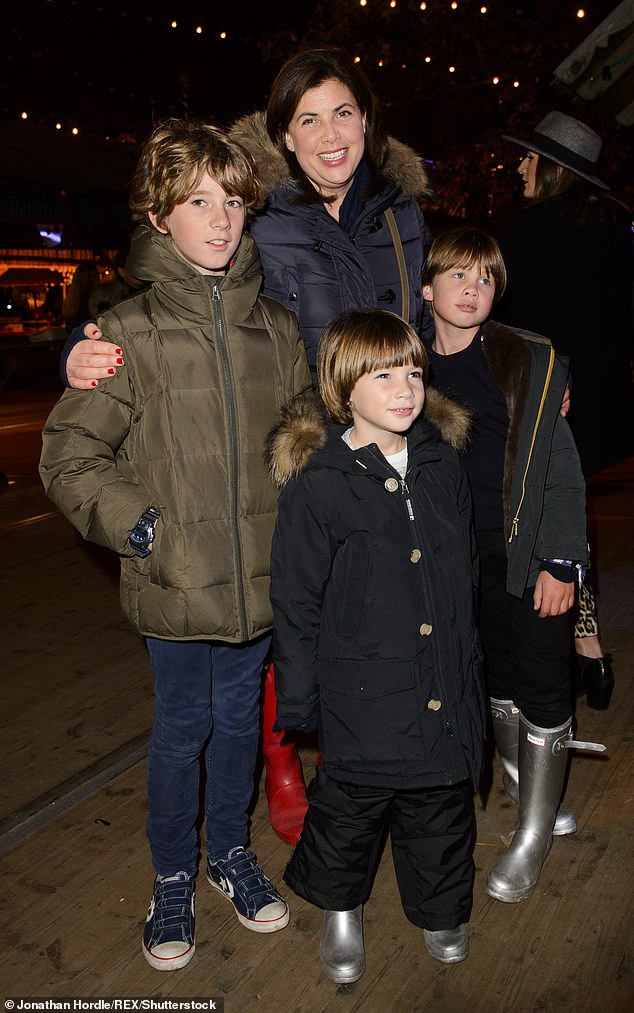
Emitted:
<point x="142" y="534"/>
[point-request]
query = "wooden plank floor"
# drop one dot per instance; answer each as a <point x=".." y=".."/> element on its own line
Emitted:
<point x="77" y="702"/>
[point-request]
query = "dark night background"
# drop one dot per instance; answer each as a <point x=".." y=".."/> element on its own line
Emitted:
<point x="112" y="70"/>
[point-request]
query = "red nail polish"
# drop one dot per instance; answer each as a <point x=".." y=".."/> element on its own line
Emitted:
<point x="111" y="371"/>
<point x="119" y="362"/>
<point x="118" y="351"/>
<point x="94" y="383"/>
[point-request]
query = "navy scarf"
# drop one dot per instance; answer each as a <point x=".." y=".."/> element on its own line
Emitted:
<point x="354" y="201"/>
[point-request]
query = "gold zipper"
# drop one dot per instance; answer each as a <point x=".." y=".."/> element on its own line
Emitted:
<point x="515" y="520"/>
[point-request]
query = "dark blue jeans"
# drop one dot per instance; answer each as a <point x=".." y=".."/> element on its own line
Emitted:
<point x="207" y="704"/>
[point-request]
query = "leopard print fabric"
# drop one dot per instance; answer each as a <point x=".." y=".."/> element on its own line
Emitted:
<point x="586" y="624"/>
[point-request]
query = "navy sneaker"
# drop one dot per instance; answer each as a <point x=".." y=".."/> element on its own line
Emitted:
<point x="168" y="938"/>
<point x="257" y="903"/>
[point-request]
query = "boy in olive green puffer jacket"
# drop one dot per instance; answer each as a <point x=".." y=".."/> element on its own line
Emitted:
<point x="163" y="463"/>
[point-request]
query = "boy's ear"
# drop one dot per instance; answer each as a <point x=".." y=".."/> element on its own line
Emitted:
<point x="155" y="222"/>
<point x="428" y="294"/>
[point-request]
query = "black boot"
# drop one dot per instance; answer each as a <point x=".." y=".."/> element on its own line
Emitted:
<point x="596" y="680"/>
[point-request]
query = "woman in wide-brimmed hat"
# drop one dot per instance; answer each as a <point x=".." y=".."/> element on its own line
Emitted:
<point x="568" y="144"/>
<point x="570" y="259"/>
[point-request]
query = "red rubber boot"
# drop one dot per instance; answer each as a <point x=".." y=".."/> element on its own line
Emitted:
<point x="285" y="788"/>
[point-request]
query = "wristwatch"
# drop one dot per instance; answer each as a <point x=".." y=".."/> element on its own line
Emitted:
<point x="142" y="534"/>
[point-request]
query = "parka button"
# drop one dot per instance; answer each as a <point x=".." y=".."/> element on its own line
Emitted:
<point x="425" y="630"/>
<point x="434" y="705"/>
<point x="391" y="484"/>
<point x="415" y="555"/>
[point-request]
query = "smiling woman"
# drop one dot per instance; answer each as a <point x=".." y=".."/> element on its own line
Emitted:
<point x="342" y="228"/>
<point x="327" y="136"/>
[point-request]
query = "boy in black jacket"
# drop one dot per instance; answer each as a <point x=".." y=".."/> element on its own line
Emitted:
<point x="529" y="508"/>
<point x="373" y="577"/>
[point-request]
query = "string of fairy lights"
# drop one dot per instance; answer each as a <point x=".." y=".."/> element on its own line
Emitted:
<point x="426" y="7"/>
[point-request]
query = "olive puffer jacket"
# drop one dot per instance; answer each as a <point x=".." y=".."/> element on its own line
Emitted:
<point x="312" y="265"/>
<point x="181" y="427"/>
<point x="372" y="584"/>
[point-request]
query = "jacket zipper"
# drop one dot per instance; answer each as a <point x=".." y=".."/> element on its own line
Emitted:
<point x="515" y="521"/>
<point x="408" y="502"/>
<point x="404" y="490"/>
<point x="233" y="453"/>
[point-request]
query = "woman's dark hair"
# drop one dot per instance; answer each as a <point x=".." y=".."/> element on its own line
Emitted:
<point x="308" y="70"/>
<point x="582" y="201"/>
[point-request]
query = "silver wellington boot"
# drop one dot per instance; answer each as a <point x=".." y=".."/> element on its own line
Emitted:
<point x="449" y="946"/>
<point x="542" y="767"/>
<point x="506" y="727"/>
<point x="341" y="951"/>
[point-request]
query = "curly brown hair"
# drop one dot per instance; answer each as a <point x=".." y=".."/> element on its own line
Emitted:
<point x="176" y="156"/>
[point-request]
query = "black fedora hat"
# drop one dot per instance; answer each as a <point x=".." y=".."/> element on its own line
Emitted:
<point x="566" y="141"/>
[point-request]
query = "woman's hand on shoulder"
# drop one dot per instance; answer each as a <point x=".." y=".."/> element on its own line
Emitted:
<point x="92" y="360"/>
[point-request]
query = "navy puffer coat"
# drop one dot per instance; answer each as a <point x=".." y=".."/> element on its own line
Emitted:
<point x="315" y="267"/>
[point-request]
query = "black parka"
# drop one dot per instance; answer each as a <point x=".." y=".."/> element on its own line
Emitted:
<point x="372" y="586"/>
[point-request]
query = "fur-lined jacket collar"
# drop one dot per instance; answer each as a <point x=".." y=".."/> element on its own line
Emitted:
<point x="403" y="166"/>
<point x="304" y="427"/>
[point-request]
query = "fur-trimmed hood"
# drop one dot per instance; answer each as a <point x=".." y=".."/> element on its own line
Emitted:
<point x="403" y="166"/>
<point x="304" y="425"/>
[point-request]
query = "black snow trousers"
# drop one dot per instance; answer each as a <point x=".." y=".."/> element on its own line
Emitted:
<point x="432" y="834"/>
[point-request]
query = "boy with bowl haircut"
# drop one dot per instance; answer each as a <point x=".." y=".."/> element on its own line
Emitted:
<point x="373" y="576"/>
